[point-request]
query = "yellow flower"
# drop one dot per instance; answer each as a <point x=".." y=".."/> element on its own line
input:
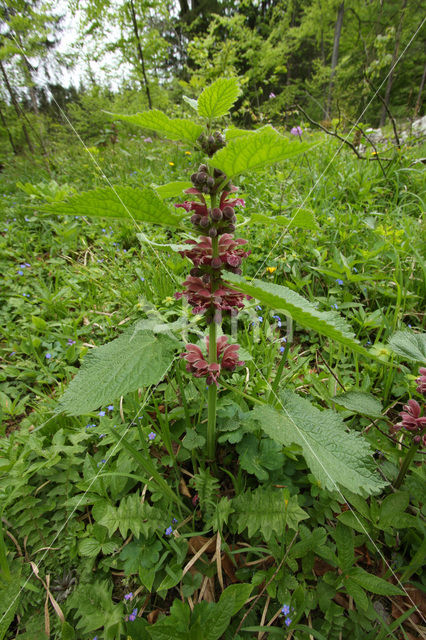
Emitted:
<point x="271" y="269"/>
<point x="172" y="164"/>
<point x="188" y="153"/>
<point x="374" y="153"/>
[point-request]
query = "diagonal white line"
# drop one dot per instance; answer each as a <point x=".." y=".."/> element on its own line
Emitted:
<point x="337" y="489"/>
<point x="110" y="454"/>
<point x="338" y="150"/>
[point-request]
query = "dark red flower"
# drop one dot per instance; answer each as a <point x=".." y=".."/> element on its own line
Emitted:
<point x="226" y="354"/>
<point x="421" y="381"/>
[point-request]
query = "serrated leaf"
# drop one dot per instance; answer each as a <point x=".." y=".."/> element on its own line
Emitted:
<point x="344" y="537"/>
<point x="265" y="510"/>
<point x="135" y="359"/>
<point x="336" y="457"/>
<point x="409" y="345"/>
<point x="216" y="100"/>
<point x="221" y="515"/>
<point x="173" y="189"/>
<point x="234" y="132"/>
<point x="360" y="402"/>
<point x="262" y="149"/>
<point x="123" y="203"/>
<point x="192" y="102"/>
<point x="171" y="128"/>
<point x="89" y="547"/>
<point x="303" y="218"/>
<point x="193" y="440"/>
<point x="373" y="583"/>
<point x="357" y="593"/>
<point x="328" y="323"/>
<point x="140" y="518"/>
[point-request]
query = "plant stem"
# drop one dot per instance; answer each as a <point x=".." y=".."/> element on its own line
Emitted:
<point x="279" y="373"/>
<point x="212" y="397"/>
<point x="405" y="464"/>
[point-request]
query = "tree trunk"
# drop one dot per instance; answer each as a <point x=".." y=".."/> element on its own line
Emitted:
<point x="419" y="97"/>
<point x="334" y="57"/>
<point x="16" y="106"/>
<point x="12" y="144"/>
<point x="141" y="59"/>
<point x="394" y="59"/>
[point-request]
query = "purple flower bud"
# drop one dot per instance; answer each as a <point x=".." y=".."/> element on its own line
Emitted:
<point x="216" y="263"/>
<point x="228" y="212"/>
<point x="195" y="219"/>
<point x="212" y="232"/>
<point x="204" y="222"/>
<point x="216" y="214"/>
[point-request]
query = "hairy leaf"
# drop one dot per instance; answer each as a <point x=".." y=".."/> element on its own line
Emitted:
<point x="216" y="100"/>
<point x="135" y="359"/>
<point x="267" y="510"/>
<point x="123" y="203"/>
<point x="233" y="132"/>
<point x="336" y="457"/>
<point x="360" y="402"/>
<point x="173" y="189"/>
<point x="263" y="148"/>
<point x="328" y="323"/>
<point x="409" y="345"/>
<point x="171" y="128"/>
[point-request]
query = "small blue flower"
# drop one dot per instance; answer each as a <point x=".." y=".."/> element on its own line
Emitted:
<point x="334" y="306"/>
<point x="70" y="341"/>
<point x="102" y="435"/>
<point x="285" y="609"/>
<point x="276" y="317"/>
<point x="174" y="520"/>
<point x="101" y="413"/>
<point x="282" y="349"/>
<point x="354" y="269"/>
<point x="48" y="356"/>
<point x="409" y="326"/>
<point x="169" y="531"/>
<point x="110" y="407"/>
<point x="132" y="616"/>
<point x="128" y="596"/>
<point x="258" y="307"/>
<point x="20" y="272"/>
<point x="287" y="622"/>
<point x="101" y="462"/>
<point x="260" y="319"/>
<point x="339" y="281"/>
<point x="152" y="435"/>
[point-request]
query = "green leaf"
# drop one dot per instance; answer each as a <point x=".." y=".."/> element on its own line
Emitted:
<point x="171" y="128"/>
<point x="216" y="100"/>
<point x="373" y="583"/>
<point x="68" y="632"/>
<point x="357" y="593"/>
<point x="410" y="346"/>
<point x="193" y="440"/>
<point x="265" y="510"/>
<point x="355" y="521"/>
<point x="221" y="515"/>
<point x="233" y="132"/>
<point x="123" y="203"/>
<point x="135" y="359"/>
<point x="9" y="601"/>
<point x="263" y="148"/>
<point x="336" y="457"/>
<point x="256" y="456"/>
<point x="328" y="323"/>
<point x="344" y="537"/>
<point x="192" y="102"/>
<point x="89" y="547"/>
<point x="219" y="616"/>
<point x="172" y="189"/>
<point x="360" y="402"/>
<point x="392" y="510"/>
<point x="303" y="218"/>
<point x="140" y="518"/>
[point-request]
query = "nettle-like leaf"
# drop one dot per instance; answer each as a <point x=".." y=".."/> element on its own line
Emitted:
<point x="234" y="132"/>
<point x="135" y="359"/>
<point x="337" y="458"/>
<point x="171" y="128"/>
<point x="267" y="511"/>
<point x="409" y="345"/>
<point x="124" y="203"/>
<point x="328" y="323"/>
<point x="140" y="518"/>
<point x="216" y="100"/>
<point x="303" y="218"/>
<point x="172" y="189"/>
<point x="263" y="148"/>
<point x="360" y="402"/>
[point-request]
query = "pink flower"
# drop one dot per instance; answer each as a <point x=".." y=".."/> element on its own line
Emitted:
<point x="421" y="381"/>
<point x="201" y="298"/>
<point x="226" y="354"/>
<point x="296" y="131"/>
<point x="272" y="95"/>
<point x="412" y="421"/>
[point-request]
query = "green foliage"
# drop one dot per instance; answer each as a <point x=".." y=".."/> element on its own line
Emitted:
<point x="359" y="402"/>
<point x="131" y="515"/>
<point x="123" y="203"/>
<point x="216" y="99"/>
<point x="280" y="298"/>
<point x="336" y="457"/>
<point x="303" y="218"/>
<point x="171" y="128"/>
<point x="267" y="511"/>
<point x="136" y="359"/>
<point x="262" y="149"/>
<point x="410" y="346"/>
<point x="10" y="592"/>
